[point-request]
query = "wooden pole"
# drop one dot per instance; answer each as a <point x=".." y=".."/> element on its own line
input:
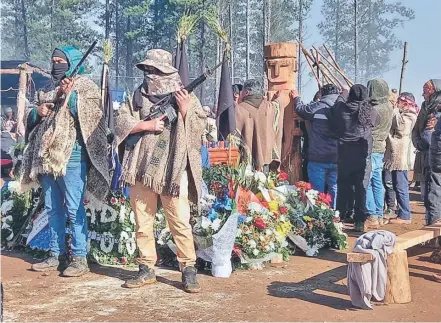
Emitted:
<point x="403" y="67"/>
<point x="335" y="65"/>
<point x="21" y="101"/>
<point x="355" y="40"/>
<point x="299" y="58"/>
<point x="308" y="58"/>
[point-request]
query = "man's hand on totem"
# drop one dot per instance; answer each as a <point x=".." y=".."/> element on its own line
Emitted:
<point x="45" y="109"/>
<point x="183" y="101"/>
<point x="293" y="94"/>
<point x="66" y="85"/>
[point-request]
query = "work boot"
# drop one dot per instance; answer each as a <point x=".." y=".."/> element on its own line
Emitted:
<point x="51" y="263"/>
<point x="383" y="221"/>
<point x="399" y="221"/>
<point x="189" y="280"/>
<point x="372" y="223"/>
<point x="78" y="267"/>
<point x="145" y="276"/>
<point x="359" y="227"/>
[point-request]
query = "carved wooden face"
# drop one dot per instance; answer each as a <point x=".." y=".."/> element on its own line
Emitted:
<point x="281" y="70"/>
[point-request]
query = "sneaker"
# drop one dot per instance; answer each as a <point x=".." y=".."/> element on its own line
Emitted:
<point x="372" y="223"/>
<point x="359" y="227"/>
<point x="399" y="221"/>
<point x="78" y="267"/>
<point x="50" y="264"/>
<point x="145" y="276"/>
<point x="189" y="280"/>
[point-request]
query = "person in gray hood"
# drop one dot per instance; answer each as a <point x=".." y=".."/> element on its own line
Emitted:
<point x="379" y="99"/>
<point x="323" y="145"/>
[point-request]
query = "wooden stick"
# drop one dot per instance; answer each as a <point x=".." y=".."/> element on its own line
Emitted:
<point x="333" y="77"/>
<point x="308" y="57"/>
<point x="328" y="76"/>
<point x="336" y="66"/>
<point x="403" y="67"/>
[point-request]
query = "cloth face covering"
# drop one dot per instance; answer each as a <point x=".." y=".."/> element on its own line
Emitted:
<point x="59" y="71"/>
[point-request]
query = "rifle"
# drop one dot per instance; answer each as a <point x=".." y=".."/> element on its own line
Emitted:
<point x="167" y="106"/>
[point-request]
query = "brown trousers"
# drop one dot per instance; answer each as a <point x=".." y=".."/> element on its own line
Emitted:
<point x="144" y="203"/>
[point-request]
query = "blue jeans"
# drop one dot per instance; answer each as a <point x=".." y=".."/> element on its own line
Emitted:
<point x="63" y="197"/>
<point x="321" y="174"/>
<point x="433" y="197"/>
<point x="375" y="189"/>
<point x="397" y="187"/>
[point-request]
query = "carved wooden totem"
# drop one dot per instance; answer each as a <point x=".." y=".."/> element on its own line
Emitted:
<point x="281" y="72"/>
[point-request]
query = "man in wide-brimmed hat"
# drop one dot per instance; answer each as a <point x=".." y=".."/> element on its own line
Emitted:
<point x="166" y="162"/>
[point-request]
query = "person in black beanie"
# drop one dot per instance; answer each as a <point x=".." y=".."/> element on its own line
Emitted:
<point x="352" y="123"/>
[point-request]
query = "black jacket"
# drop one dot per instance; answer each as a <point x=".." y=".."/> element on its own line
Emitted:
<point x="322" y="144"/>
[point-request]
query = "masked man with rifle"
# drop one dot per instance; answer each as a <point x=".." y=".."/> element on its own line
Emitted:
<point x="164" y="163"/>
<point x="67" y="154"/>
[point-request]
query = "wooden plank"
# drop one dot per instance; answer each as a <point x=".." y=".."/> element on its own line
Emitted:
<point x="413" y="238"/>
<point x="359" y="257"/>
<point x="10" y="71"/>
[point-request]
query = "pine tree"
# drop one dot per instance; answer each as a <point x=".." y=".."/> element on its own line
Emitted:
<point x="376" y="22"/>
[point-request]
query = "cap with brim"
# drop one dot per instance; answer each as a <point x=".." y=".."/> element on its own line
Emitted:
<point x="160" y="59"/>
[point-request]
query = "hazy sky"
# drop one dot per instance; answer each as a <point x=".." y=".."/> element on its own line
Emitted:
<point x="424" y="47"/>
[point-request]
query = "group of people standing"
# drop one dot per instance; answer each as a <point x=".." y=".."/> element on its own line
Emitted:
<point x="359" y="148"/>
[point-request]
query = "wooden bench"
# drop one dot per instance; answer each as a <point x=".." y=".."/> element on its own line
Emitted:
<point x="398" y="282"/>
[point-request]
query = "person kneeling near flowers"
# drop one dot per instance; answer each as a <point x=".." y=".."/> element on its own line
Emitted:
<point x="165" y="163"/>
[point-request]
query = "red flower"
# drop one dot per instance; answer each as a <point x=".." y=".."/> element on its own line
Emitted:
<point x="283" y="210"/>
<point x="122" y="200"/>
<point x="336" y="219"/>
<point x="282" y="176"/>
<point x="304" y="185"/>
<point x="259" y="223"/>
<point x="113" y="200"/>
<point x="231" y="193"/>
<point x="85" y="201"/>
<point x="325" y="198"/>
<point x="236" y="250"/>
<point x="265" y="204"/>
<point x="123" y="260"/>
<point x="116" y="260"/>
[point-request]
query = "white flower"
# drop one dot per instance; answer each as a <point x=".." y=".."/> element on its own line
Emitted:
<point x="337" y="214"/>
<point x="271" y="245"/>
<point x="261" y="238"/>
<point x="282" y="218"/>
<point x="122" y="213"/>
<point x="6" y="206"/>
<point x="210" y="197"/>
<point x="159" y="216"/>
<point x="252" y="244"/>
<point x="132" y="217"/>
<point x="255" y="252"/>
<point x="163" y="236"/>
<point x="122" y="241"/>
<point x="284" y="243"/>
<point x="205" y="223"/>
<point x="106" y="243"/>
<point x="255" y="207"/>
<point x="249" y="219"/>
<point x="13" y="186"/>
<point x="249" y="171"/>
<point x="267" y="248"/>
<point x="238" y="233"/>
<point x="108" y="214"/>
<point x="268" y="232"/>
<point x="131" y="244"/>
<point x="216" y="224"/>
<point x="260" y="177"/>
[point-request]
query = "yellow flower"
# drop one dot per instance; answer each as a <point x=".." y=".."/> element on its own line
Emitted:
<point x="274" y="206"/>
<point x="307" y="218"/>
<point x="259" y="196"/>
<point x="271" y="184"/>
<point x="283" y="229"/>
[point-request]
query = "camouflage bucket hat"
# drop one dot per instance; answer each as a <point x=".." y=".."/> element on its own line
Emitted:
<point x="160" y="59"/>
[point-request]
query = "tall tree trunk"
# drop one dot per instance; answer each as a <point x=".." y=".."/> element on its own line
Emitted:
<point x="369" y="43"/>
<point x="230" y="18"/>
<point x="218" y="51"/>
<point x="355" y="41"/>
<point x="25" y="29"/>
<point x="268" y="29"/>
<point x="107" y="28"/>
<point x="117" y="40"/>
<point x="52" y="24"/>
<point x="202" y="59"/>
<point x="299" y="75"/>
<point x="156" y="23"/>
<point x="248" y="12"/>
<point x="129" y="57"/>
<point x="337" y="30"/>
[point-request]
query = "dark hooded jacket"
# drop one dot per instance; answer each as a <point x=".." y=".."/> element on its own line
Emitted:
<point x="418" y="139"/>
<point x="322" y="145"/>
<point x="347" y="124"/>
<point x="379" y="98"/>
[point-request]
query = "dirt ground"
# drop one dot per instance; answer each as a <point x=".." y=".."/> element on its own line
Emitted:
<point x="305" y="289"/>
